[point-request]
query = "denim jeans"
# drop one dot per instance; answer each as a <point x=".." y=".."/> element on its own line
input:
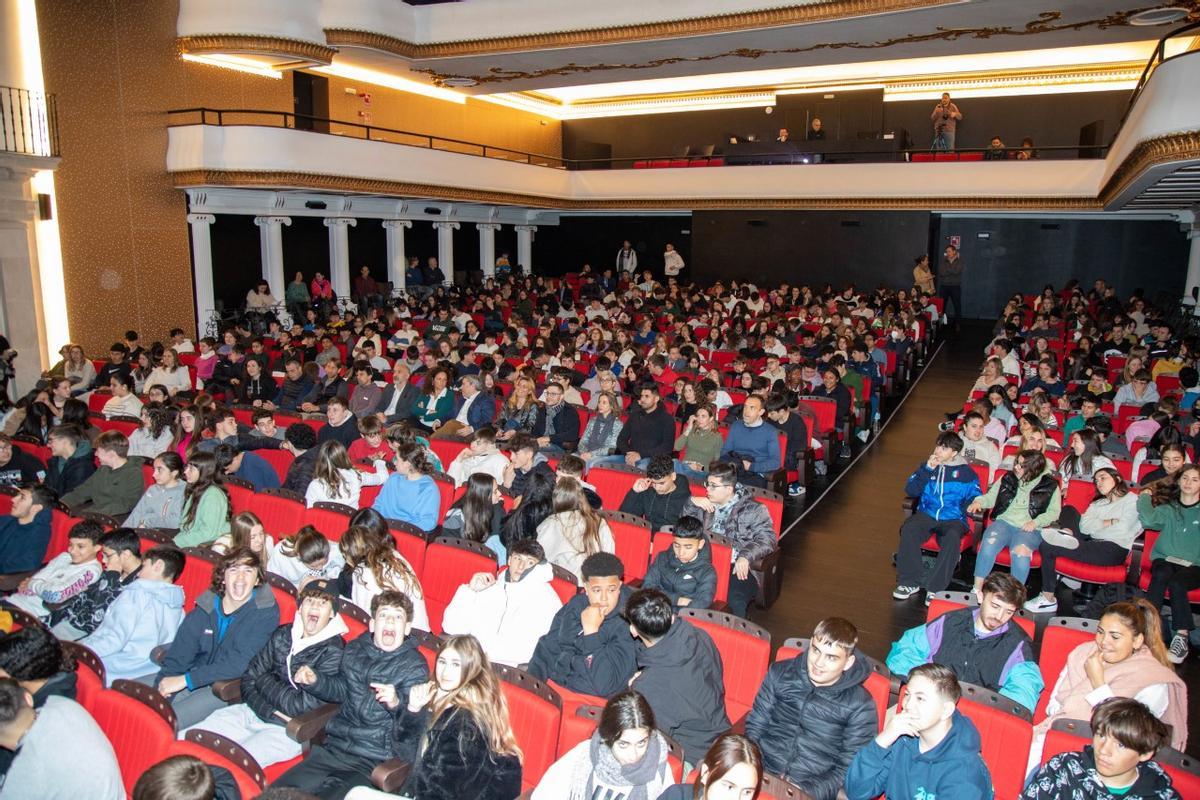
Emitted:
<point x="688" y="472"/>
<point x="618" y="459"/>
<point x="1000" y="535"/>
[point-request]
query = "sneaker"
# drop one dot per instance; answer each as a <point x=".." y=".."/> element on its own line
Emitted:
<point x="928" y="599"/>
<point x="820" y="467"/>
<point x="1059" y="538"/>
<point x="1178" y="651"/>
<point x="1040" y="605"/>
<point x="796" y="490"/>
<point x="863" y="434"/>
<point x="945" y="426"/>
<point x="905" y="592"/>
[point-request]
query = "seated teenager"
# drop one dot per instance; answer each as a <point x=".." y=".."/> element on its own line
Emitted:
<point x="123" y="403"/>
<point x="246" y="530"/>
<point x="17" y="466"/>
<point x="588" y="648"/>
<point x="625" y="757"/>
<point x="478" y="514"/>
<point x="33" y="657"/>
<point x="728" y="509"/>
<point x="80" y="616"/>
<point x="229" y="624"/>
<point x="25" y="531"/>
<point x="270" y="697"/>
<point x="375" y="566"/>
<point x="378" y="667"/>
<point x="982" y="645"/>
<point x="679" y="673"/>
<point x="660" y="496"/>
<point x="146" y="614"/>
<point x="371" y="446"/>
<point x="335" y="480"/>
<point x="206" y="508"/>
<point x="507" y="612"/>
<point x="461" y="718"/>
<point x="65" y="576"/>
<point x="943" y="487"/>
<point x="302" y="441"/>
<point x="795" y="431"/>
<point x="572" y="466"/>
<point x="684" y="572"/>
<point x="43" y="738"/>
<point x="812" y="713"/>
<point x="71" y="458"/>
<point x="481" y="455"/>
<point x="410" y="495"/>
<point x="1125" y="737"/>
<point x="524" y="460"/>
<point x="1173" y="508"/>
<point x="113" y="489"/>
<point x="732" y="769"/>
<point x="161" y="505"/>
<point x="340" y="425"/>
<point x="927" y="750"/>
<point x="307" y="555"/>
<point x="155" y="434"/>
<point x="574" y="531"/>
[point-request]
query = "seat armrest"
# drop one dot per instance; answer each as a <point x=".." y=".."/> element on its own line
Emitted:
<point x="306" y="727"/>
<point x="908" y="505"/>
<point x="159" y="654"/>
<point x="230" y="691"/>
<point x="390" y="775"/>
<point x="1134" y="575"/>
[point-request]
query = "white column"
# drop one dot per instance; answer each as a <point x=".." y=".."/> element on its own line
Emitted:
<point x="1193" y="269"/>
<point x="445" y="232"/>
<point x="270" y="240"/>
<point x="202" y="270"/>
<point x="487" y="247"/>
<point x="339" y="254"/>
<point x="525" y="247"/>
<point x="397" y="261"/>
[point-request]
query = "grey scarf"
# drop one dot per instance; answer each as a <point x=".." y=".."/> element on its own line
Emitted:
<point x="605" y="768"/>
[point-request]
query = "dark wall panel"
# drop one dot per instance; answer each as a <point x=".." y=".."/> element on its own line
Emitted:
<point x="306" y="248"/>
<point x="368" y="248"/>
<point x="237" y="258"/>
<point x="576" y="241"/>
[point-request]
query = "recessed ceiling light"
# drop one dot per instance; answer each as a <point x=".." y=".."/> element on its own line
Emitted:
<point x="460" y="83"/>
<point x="1158" y="16"/>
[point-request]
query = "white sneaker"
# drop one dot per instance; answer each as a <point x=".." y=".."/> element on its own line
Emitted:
<point x="905" y="592"/>
<point x="863" y="434"/>
<point x="1040" y="605"/>
<point x="1178" y="651"/>
<point x="1059" y="538"/>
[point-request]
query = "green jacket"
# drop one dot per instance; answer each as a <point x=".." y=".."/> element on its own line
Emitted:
<point x="1178" y="526"/>
<point x="1017" y="512"/>
<point x="211" y="522"/>
<point x="700" y="446"/>
<point x="110" y="491"/>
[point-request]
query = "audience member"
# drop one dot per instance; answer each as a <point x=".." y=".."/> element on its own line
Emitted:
<point x="71" y="461"/>
<point x="25" y="532"/>
<point x="81" y="615"/>
<point x="574" y="530"/>
<point x="659" y="497"/>
<point x="684" y="572"/>
<point x="65" y="576"/>
<point x="113" y="489"/>
<point x="1173" y="509"/>
<point x="206" y="507"/>
<point x="410" y="495"/>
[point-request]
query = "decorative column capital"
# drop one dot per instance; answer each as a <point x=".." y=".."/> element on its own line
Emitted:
<point x="488" y="226"/>
<point x="197" y="219"/>
<point x="525" y="228"/>
<point x="333" y="222"/>
<point x="262" y="221"/>
<point x="451" y="226"/>
<point x="393" y="224"/>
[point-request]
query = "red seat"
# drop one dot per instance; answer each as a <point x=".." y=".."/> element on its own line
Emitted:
<point x="878" y="683"/>
<point x="1065" y="736"/>
<point x="721" y="553"/>
<point x="411" y="542"/>
<point x="660" y="163"/>
<point x="140" y="724"/>
<point x="564" y="584"/>
<point x="280" y="461"/>
<point x="745" y="650"/>
<point x="331" y="519"/>
<point x="632" y="537"/>
<point x="1006" y="734"/>
<point x="950" y="601"/>
<point x="922" y="158"/>
<point x="976" y="156"/>
<point x="577" y="725"/>
<point x="1061" y="636"/>
<point x="945" y="157"/>
<point x="446" y="490"/>
<point x="1144" y="579"/>
<point x="612" y="482"/>
<point x="447" y="449"/>
<point x="1079" y="494"/>
<point x="281" y="512"/>
<point x="61" y="523"/>
<point x="197" y="575"/>
<point x="89" y="673"/>
<point x="241" y="498"/>
<point x="716" y="162"/>
<point x="221" y="752"/>
<point x="641" y="164"/>
<point x="285" y="597"/>
<point x="535" y="714"/>
<point x="449" y="563"/>
<point x="679" y="162"/>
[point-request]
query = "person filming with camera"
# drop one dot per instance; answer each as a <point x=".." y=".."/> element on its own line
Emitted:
<point x="945" y="119"/>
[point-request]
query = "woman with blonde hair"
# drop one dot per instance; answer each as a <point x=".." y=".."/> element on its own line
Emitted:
<point x="574" y="531"/>
<point x="246" y="530"/>
<point x="519" y="411"/>
<point x="467" y="746"/>
<point x="376" y="567"/>
<point x="335" y="480"/>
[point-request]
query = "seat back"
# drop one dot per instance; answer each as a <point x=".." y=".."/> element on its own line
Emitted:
<point x="1065" y="736"/>
<point x="1061" y="636"/>
<point x="878" y="683"/>
<point x="1079" y="494"/>
<point x="281" y="512"/>
<point x="357" y="621"/>
<point x="331" y="519"/>
<point x="280" y="461"/>
<point x="745" y="650"/>
<point x="613" y="482"/>
<point x="449" y="563"/>
<point x="563" y="583"/>
<point x="285" y="597"/>
<point x="89" y="673"/>
<point x="1006" y="733"/>
<point x="632" y="537"/>
<point x="577" y="727"/>
<point x="720" y="551"/>
<point x="61" y="523"/>
<point x="774" y="503"/>
<point x="535" y="714"/>
<point x="140" y="724"/>
<point x="447" y="449"/>
<point x="218" y="751"/>
<point x="951" y="601"/>
<point x="775" y="787"/>
<point x="197" y="575"/>
<point x="411" y="541"/>
<point x="241" y="497"/>
<point x="445" y="485"/>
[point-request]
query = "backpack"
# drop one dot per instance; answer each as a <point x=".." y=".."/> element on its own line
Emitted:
<point x="1108" y="594"/>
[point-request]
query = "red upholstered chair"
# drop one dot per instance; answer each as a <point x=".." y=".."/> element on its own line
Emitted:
<point x="613" y="482"/>
<point x="563" y="583"/>
<point x="285" y="597"/>
<point x="89" y="673"/>
<point x="632" y="537"/>
<point x="1061" y="636"/>
<point x="218" y="751"/>
<point x="745" y="650"/>
<point x="331" y="519"/>
<point x="578" y="726"/>
<point x="716" y="162"/>
<point x="356" y="621"/>
<point x="281" y="512"/>
<point x="1079" y="494"/>
<point x="197" y="575"/>
<point x="535" y="713"/>
<point x="140" y="724"/>
<point x="922" y="158"/>
<point x="445" y="485"/>
<point x="241" y="495"/>
<point x="1065" y="736"/>
<point x="61" y="522"/>
<point x="280" y="461"/>
<point x="949" y="601"/>
<point x="721" y="553"/>
<point x="1144" y="578"/>
<point x="411" y="542"/>
<point x="447" y="449"/>
<point x="449" y="563"/>
<point x="878" y="683"/>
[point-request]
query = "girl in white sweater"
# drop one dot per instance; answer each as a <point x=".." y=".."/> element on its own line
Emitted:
<point x="574" y="531"/>
<point x="377" y="566"/>
<point x="335" y="480"/>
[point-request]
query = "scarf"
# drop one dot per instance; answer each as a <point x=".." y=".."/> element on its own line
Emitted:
<point x="600" y="432"/>
<point x="603" y="766"/>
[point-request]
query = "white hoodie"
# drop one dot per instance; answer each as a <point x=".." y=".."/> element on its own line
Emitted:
<point x="336" y="627"/>
<point x="507" y="618"/>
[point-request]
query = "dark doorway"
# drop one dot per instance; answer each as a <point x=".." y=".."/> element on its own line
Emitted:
<point x="310" y="99"/>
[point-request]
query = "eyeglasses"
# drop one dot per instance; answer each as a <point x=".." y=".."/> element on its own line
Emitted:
<point x="714" y="485"/>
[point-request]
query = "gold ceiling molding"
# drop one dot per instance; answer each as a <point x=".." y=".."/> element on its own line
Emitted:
<point x="1045" y="22"/>
<point x="826" y="11"/>
<point x="299" y="53"/>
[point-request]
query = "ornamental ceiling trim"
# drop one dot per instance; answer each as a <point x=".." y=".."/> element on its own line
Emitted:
<point x="295" y="50"/>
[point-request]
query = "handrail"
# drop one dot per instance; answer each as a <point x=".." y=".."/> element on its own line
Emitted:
<point x="1156" y="58"/>
<point x="28" y="122"/>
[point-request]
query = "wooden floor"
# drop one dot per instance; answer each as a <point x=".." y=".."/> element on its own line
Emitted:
<point x="838" y="557"/>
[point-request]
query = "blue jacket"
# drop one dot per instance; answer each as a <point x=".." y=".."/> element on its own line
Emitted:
<point x="481" y="412"/>
<point x="203" y="654"/>
<point x="417" y="502"/>
<point x="145" y="615"/>
<point x="946" y="491"/>
<point x="256" y="470"/>
<point x="760" y="444"/>
<point x="23" y="547"/>
<point x="953" y="770"/>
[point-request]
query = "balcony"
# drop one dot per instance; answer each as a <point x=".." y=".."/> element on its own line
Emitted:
<point x="28" y="123"/>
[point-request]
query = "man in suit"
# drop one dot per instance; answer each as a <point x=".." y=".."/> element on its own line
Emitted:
<point x="398" y="398"/>
<point x="557" y="425"/>
<point x="475" y="409"/>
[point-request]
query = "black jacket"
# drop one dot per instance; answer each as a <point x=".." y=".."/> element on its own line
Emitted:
<point x="1039" y="498"/>
<point x="198" y="654"/>
<point x="1068" y="776"/>
<point x="455" y="760"/>
<point x="300" y="473"/>
<point x="363" y="726"/>
<point x="21" y="468"/>
<point x="696" y="580"/>
<point x="404" y="406"/>
<point x="660" y="510"/>
<point x="267" y="686"/>
<point x="682" y="679"/>
<point x="265" y="388"/>
<point x="796" y="431"/>
<point x="808" y="733"/>
<point x="648" y="435"/>
<point x="345" y="433"/>
<point x="840" y="394"/>
<point x="67" y="475"/>
<point x="600" y="664"/>
<point x="566" y="426"/>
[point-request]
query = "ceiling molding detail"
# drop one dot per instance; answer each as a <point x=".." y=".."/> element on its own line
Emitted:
<point x="1148" y="154"/>
<point x="294" y="52"/>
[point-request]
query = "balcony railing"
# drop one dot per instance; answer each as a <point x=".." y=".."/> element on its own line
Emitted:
<point x="28" y="122"/>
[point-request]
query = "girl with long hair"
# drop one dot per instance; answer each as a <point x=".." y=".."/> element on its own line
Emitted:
<point x="154" y="435"/>
<point x="246" y="530"/>
<point x="478" y="513"/>
<point x="183" y="432"/>
<point x="335" y="480"/>
<point x="161" y="506"/>
<point x="410" y="495"/>
<point x="519" y="412"/>
<point x="304" y="556"/>
<point x="699" y="444"/>
<point x="599" y="437"/>
<point x="205" y="503"/>
<point x="574" y="531"/>
<point x="1083" y="457"/>
<point x="1173" y="457"/>
<point x="732" y="769"/>
<point x="375" y="567"/>
<point x="537" y="503"/>
<point x="1173" y="509"/>
<point x="79" y="369"/>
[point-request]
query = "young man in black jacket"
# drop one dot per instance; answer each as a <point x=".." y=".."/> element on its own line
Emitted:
<point x="270" y="698"/>
<point x="684" y="572"/>
<point x="812" y="714"/>
<point x="649" y="432"/>
<point x="660" y="496"/>
<point x="588" y="648"/>
<point x="378" y="670"/>
<point x="680" y="673"/>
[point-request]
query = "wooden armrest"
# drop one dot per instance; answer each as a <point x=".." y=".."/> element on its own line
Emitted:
<point x="908" y="505"/>
<point x="230" y="691"/>
<point x="390" y="775"/>
<point x="159" y="654"/>
<point x="308" y="725"/>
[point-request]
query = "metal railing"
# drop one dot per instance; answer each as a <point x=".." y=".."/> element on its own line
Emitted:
<point x="1156" y="58"/>
<point x="28" y="122"/>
